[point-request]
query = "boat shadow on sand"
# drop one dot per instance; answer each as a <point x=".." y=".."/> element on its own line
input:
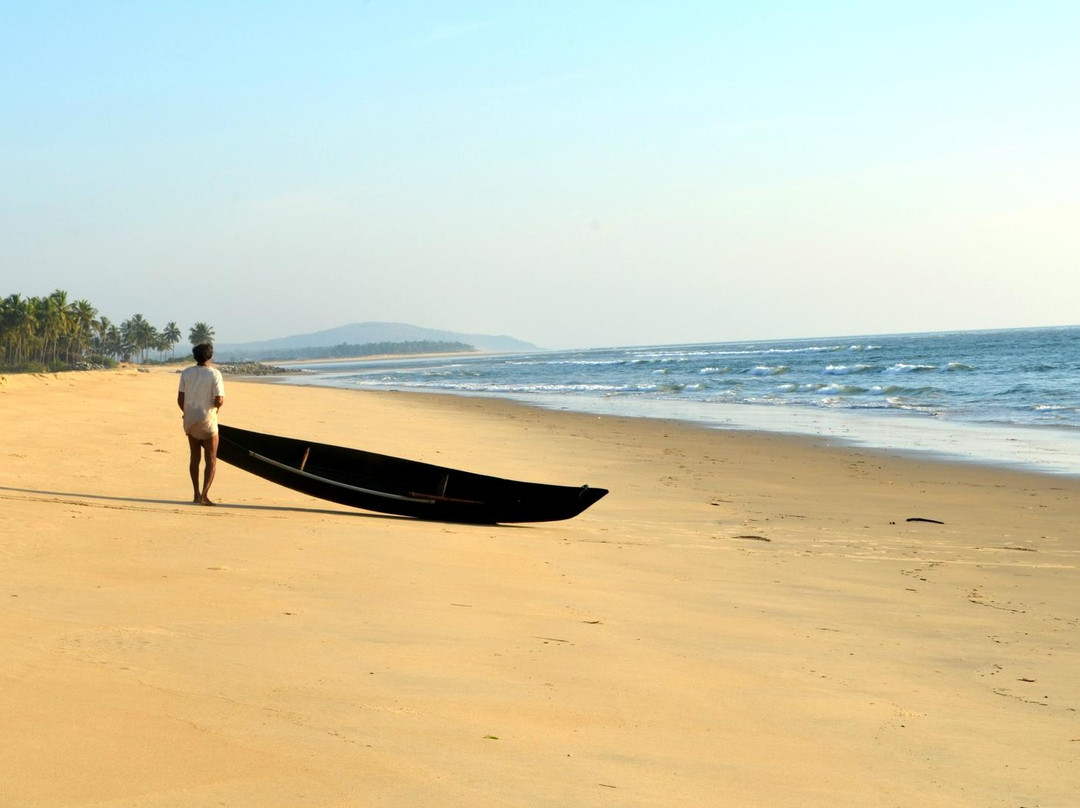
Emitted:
<point x="79" y="499"/>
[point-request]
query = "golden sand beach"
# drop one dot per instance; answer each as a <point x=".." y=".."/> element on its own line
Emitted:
<point x="746" y="620"/>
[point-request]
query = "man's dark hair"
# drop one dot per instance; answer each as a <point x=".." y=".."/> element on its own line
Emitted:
<point x="203" y="352"/>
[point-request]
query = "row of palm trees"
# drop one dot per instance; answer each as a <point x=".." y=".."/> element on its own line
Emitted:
<point x="53" y="333"/>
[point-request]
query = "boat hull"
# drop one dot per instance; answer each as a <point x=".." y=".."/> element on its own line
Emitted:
<point x="397" y="486"/>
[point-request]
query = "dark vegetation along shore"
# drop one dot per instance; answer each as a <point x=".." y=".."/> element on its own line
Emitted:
<point x="53" y="333"/>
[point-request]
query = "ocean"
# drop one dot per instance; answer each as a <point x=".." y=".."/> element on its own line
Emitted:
<point x="1004" y="397"/>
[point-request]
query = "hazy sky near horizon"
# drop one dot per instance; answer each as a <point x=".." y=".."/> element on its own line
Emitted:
<point x="573" y="174"/>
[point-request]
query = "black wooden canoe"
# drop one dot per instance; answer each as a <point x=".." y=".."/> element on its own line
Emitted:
<point x="387" y="484"/>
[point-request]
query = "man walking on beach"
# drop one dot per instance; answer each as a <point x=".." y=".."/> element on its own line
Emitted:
<point x="202" y="392"/>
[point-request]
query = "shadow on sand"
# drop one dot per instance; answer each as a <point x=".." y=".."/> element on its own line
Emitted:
<point x="137" y="503"/>
<point x="77" y="498"/>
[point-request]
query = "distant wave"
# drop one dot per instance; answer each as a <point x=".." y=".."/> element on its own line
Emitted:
<point x="842" y="390"/>
<point x="750" y="351"/>
<point x="765" y="370"/>
<point x="433" y="385"/>
<point x="912" y="406"/>
<point x="807" y="349"/>
<point x="563" y="362"/>
<point x="897" y="390"/>
<point x="833" y="388"/>
<point x="843" y="370"/>
<point x="903" y="367"/>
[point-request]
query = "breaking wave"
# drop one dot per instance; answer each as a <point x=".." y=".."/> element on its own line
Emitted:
<point x="903" y="367"/>
<point x="844" y="370"/>
<point x="765" y="370"/>
<point x="1028" y="377"/>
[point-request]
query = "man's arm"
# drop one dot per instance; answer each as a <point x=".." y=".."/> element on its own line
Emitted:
<point x="219" y="389"/>
<point x="180" y="401"/>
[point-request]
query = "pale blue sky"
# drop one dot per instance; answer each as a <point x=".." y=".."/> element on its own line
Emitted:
<point x="570" y="173"/>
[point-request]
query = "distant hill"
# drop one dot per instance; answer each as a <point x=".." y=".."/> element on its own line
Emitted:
<point x="364" y="333"/>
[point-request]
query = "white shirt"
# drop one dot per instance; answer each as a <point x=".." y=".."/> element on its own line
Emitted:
<point x="201" y="385"/>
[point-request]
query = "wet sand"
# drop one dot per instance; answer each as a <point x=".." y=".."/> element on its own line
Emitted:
<point x="747" y="619"/>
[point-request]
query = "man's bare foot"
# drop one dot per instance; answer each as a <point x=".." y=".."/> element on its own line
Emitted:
<point x="205" y="501"/>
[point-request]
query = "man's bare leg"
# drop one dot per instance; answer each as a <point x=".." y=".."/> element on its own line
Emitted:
<point x="210" y="447"/>
<point x="195" y="446"/>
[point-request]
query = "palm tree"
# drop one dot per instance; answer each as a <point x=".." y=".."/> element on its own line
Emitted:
<point x="54" y="320"/>
<point x="112" y="342"/>
<point x="18" y="328"/>
<point x="7" y="320"/>
<point x="101" y="336"/>
<point x="138" y="335"/>
<point x="170" y="336"/>
<point x="200" y="333"/>
<point x="38" y="316"/>
<point x="82" y="327"/>
<point x="26" y="325"/>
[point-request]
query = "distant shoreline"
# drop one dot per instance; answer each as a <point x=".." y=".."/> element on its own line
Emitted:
<point x="342" y="360"/>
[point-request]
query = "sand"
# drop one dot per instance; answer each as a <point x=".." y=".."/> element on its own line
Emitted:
<point x="746" y="620"/>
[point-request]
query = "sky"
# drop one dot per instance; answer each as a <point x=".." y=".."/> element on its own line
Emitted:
<point x="573" y="174"/>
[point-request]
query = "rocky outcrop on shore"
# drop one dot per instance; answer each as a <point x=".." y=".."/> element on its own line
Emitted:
<point x="252" y="369"/>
